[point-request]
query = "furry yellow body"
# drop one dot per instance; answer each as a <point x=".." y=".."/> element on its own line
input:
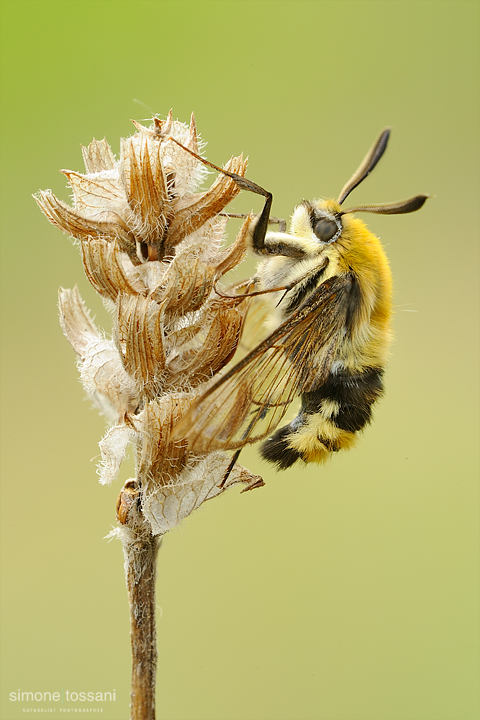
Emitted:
<point x="360" y="252"/>
<point x="362" y="346"/>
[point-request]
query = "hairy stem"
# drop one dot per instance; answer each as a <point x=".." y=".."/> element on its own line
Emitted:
<point x="140" y="549"/>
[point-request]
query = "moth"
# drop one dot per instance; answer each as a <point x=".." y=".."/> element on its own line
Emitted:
<point x="330" y="339"/>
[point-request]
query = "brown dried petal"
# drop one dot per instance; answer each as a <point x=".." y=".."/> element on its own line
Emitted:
<point x="187" y="170"/>
<point x="104" y="268"/>
<point x="110" y="227"/>
<point x="145" y="185"/>
<point x="139" y="337"/>
<point x="102" y="372"/>
<point x="159" y="458"/>
<point x="187" y="333"/>
<point x="187" y="284"/>
<point x="212" y="349"/>
<point x="231" y="257"/>
<point x="192" y="142"/>
<point x="147" y="277"/>
<point x="204" y="206"/>
<point x="160" y="128"/>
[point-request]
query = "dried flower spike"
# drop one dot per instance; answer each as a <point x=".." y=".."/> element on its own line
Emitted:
<point x="151" y="248"/>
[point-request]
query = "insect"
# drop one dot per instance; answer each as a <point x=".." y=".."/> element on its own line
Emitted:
<point x="330" y="340"/>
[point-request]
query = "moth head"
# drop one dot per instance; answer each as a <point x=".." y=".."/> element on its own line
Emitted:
<point x="318" y="220"/>
<point x="321" y="220"/>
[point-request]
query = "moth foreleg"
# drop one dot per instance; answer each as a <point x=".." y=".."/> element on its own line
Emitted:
<point x="282" y="225"/>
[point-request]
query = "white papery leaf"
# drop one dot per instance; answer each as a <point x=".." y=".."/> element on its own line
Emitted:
<point x="102" y="371"/>
<point x="168" y="506"/>
<point x="113" y="447"/>
<point x="97" y="192"/>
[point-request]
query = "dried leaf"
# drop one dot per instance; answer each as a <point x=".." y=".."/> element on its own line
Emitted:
<point x="168" y="506"/>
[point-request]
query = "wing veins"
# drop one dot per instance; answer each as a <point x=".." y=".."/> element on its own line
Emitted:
<point x="271" y="375"/>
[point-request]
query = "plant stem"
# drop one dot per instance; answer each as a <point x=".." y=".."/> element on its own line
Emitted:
<point x="140" y="549"/>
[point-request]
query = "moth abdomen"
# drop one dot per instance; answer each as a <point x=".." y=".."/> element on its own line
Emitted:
<point x="347" y="396"/>
<point x="277" y="449"/>
<point x="329" y="418"/>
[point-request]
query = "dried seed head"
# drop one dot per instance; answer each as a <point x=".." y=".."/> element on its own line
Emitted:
<point x="150" y="246"/>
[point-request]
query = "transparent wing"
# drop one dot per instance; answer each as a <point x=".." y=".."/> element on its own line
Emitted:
<point x="249" y="401"/>
<point x="255" y="326"/>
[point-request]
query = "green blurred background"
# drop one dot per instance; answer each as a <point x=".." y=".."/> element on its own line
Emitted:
<point x="348" y="592"/>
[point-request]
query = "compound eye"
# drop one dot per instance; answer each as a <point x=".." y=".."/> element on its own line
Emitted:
<point x="325" y="229"/>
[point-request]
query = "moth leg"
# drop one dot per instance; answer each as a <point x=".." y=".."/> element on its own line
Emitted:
<point x="260" y="292"/>
<point x="258" y="414"/>
<point x="230" y="468"/>
<point x="242" y="216"/>
<point x="282" y="225"/>
<point x="286" y="288"/>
